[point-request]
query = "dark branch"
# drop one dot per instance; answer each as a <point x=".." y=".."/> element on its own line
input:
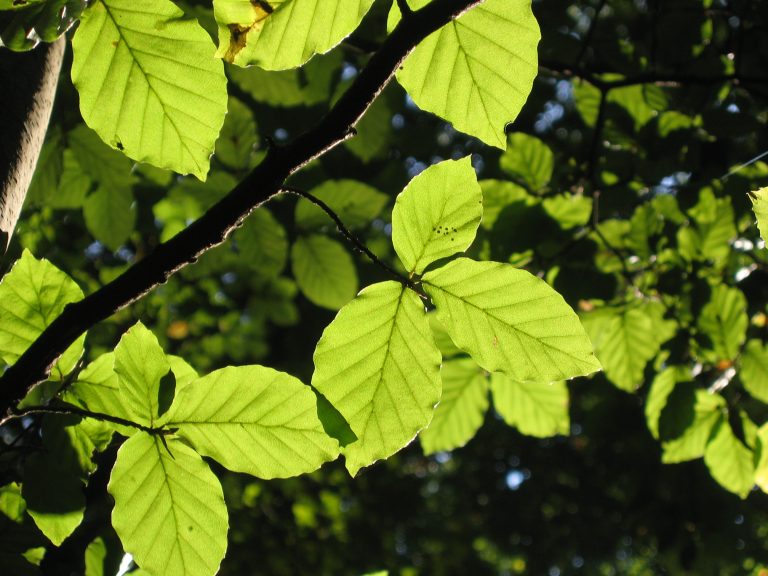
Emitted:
<point x="214" y="227"/>
<point x="351" y="238"/>
<point x="70" y="410"/>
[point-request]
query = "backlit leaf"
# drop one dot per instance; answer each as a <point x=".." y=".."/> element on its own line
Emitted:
<point x="140" y="365"/>
<point x="528" y="159"/>
<point x="729" y="461"/>
<point x="378" y="365"/>
<point x="754" y="370"/>
<point x="437" y="214"/>
<point x="723" y="323"/>
<point x="110" y="216"/>
<point x="510" y="321"/>
<point x="169" y="507"/>
<point x="462" y="406"/>
<point x="687" y="422"/>
<point x="324" y="270"/>
<point x="760" y="207"/>
<point x="255" y="420"/>
<point x="32" y="295"/>
<point x="140" y="63"/>
<point x="280" y="34"/>
<point x="477" y="71"/>
<point x="534" y="408"/>
<point x="355" y="203"/>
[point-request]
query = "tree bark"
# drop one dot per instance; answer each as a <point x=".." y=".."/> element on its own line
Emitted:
<point x="28" y="81"/>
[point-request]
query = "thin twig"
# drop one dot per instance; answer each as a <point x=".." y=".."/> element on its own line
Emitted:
<point x="70" y="410"/>
<point x="590" y="33"/>
<point x="405" y="9"/>
<point x="352" y="239"/>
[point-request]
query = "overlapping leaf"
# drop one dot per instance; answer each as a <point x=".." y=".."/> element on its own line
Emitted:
<point x="510" y="321"/>
<point x="255" y="420"/>
<point x="140" y="63"/>
<point x="723" y="323"/>
<point x="437" y="215"/>
<point x="169" y="507"/>
<point x="760" y="207"/>
<point x="141" y="367"/>
<point x="378" y="365"/>
<point x="729" y="461"/>
<point x="754" y="370"/>
<point x="281" y="34"/>
<point x="324" y="270"/>
<point x="477" y="71"/>
<point x="355" y="203"/>
<point x="535" y="408"/>
<point x="32" y="295"/>
<point x="463" y="405"/>
<point x="687" y="422"/>
<point x="528" y="159"/>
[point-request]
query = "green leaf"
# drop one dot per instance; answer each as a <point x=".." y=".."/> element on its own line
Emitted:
<point x="761" y="458"/>
<point x="97" y="389"/>
<point x="324" y="271"/>
<point x="569" y="210"/>
<point x="723" y="324"/>
<point x="109" y="216"/>
<point x="687" y="421"/>
<point x="72" y="188"/>
<point x="263" y="243"/>
<point x="378" y="365"/>
<point x="759" y="200"/>
<point x="587" y="99"/>
<point x="754" y="370"/>
<point x="43" y="189"/>
<point x="729" y="461"/>
<point x="140" y="364"/>
<point x="510" y="321"/>
<point x="437" y="214"/>
<point x="140" y="63"/>
<point x="32" y="295"/>
<point x="108" y="167"/>
<point x="169" y="507"/>
<point x="280" y="34"/>
<point x="239" y="138"/>
<point x="355" y="203"/>
<point x="497" y="195"/>
<point x="12" y="503"/>
<point x="529" y="160"/>
<point x="477" y="71"/>
<point x="625" y="339"/>
<point x="641" y="102"/>
<point x="255" y="420"/>
<point x="463" y="404"/>
<point x="534" y="408"/>
<point x="661" y="387"/>
<point x="307" y="86"/>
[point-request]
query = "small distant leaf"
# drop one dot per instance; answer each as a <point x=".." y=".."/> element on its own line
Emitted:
<point x="437" y="214"/>
<point x="687" y="422"/>
<point x="569" y="210"/>
<point x="12" y="503"/>
<point x="587" y="100"/>
<point x="141" y="63"/>
<point x="497" y="195"/>
<point x="462" y="71"/>
<point x="729" y="461"/>
<point x="25" y="26"/>
<point x="280" y="34"/>
<point x="140" y="364"/>
<point x="324" y="270"/>
<point x="104" y="165"/>
<point x="462" y="406"/>
<point x="528" y="159"/>
<point x="45" y="182"/>
<point x="625" y="340"/>
<point x="535" y="408"/>
<point x="263" y="243"/>
<point x="32" y="295"/>
<point x="723" y="323"/>
<point x="354" y="202"/>
<point x="510" y="321"/>
<point x="255" y="420"/>
<point x="109" y="216"/>
<point x="754" y="370"/>
<point x="760" y="207"/>
<point x="642" y="102"/>
<point x="661" y="387"/>
<point x="169" y="507"/>
<point x="378" y="365"/>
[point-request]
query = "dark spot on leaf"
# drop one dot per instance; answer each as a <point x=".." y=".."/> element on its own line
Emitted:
<point x="115" y="43"/>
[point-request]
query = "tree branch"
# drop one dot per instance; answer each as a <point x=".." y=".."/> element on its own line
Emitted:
<point x="214" y="227"/>
<point x="70" y="410"/>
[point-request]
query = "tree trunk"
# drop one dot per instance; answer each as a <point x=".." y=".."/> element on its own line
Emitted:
<point x="27" y="88"/>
